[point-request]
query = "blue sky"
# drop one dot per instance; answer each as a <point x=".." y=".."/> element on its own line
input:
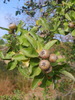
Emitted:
<point x="7" y="10"/>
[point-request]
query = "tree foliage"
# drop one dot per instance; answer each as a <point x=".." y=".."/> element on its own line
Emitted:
<point x="25" y="45"/>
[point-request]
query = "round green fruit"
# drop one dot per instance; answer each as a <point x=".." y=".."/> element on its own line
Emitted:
<point x="44" y="64"/>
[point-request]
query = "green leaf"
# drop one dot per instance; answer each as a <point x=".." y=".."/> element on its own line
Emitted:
<point x="35" y="72"/>
<point x="24" y="72"/>
<point x="61" y="31"/>
<point x="73" y="1"/>
<point x="12" y="65"/>
<point x="4" y="28"/>
<point x="33" y="32"/>
<point x="56" y="25"/>
<point x="40" y="39"/>
<point x="43" y="22"/>
<point x="34" y="61"/>
<point x="24" y="31"/>
<point x="17" y="13"/>
<point x="50" y="44"/>
<point x="20" y="27"/>
<point x="32" y="41"/>
<point x="29" y="52"/>
<point x="36" y="80"/>
<point x="9" y="55"/>
<point x="39" y="46"/>
<point x="46" y="82"/>
<point x="67" y="17"/>
<point x="73" y="33"/>
<point x="19" y="57"/>
<point x="73" y="14"/>
<point x="23" y="40"/>
<point x="68" y="74"/>
<point x="2" y="42"/>
<point x="61" y="60"/>
<point x="30" y="68"/>
<point x="1" y="54"/>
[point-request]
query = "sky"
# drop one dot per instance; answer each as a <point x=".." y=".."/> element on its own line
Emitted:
<point x="8" y="10"/>
<point x="7" y="14"/>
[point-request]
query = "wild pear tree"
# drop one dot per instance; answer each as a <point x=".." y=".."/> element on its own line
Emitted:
<point x="31" y="53"/>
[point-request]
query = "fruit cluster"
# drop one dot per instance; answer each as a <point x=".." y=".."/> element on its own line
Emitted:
<point x="12" y="28"/>
<point x="46" y="58"/>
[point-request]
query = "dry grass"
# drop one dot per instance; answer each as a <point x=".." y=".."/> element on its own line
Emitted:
<point x="6" y="87"/>
<point x="10" y="81"/>
<point x="21" y="83"/>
